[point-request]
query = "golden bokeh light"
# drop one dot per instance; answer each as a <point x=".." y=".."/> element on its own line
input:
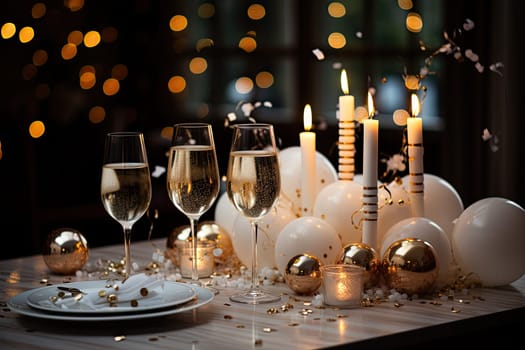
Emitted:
<point x="38" y="10"/>
<point x="264" y="79"/>
<point x="29" y="71"/>
<point x="111" y="87"/>
<point x="206" y="10"/>
<point x="74" y="5"/>
<point x="248" y="44"/>
<point x="414" y="22"/>
<point x="8" y="30"/>
<point x="109" y="34"/>
<point x="336" y="40"/>
<point x="119" y="71"/>
<point x="87" y="80"/>
<point x="75" y="37"/>
<point x="97" y="114"/>
<point x="405" y="4"/>
<point x="244" y="85"/>
<point x="336" y="9"/>
<point x="37" y="129"/>
<point x="176" y="84"/>
<point x="167" y="133"/>
<point x="198" y="65"/>
<point x="26" y="34"/>
<point x="203" y="43"/>
<point x="92" y="38"/>
<point x="178" y="23"/>
<point x="40" y="57"/>
<point x="68" y="51"/>
<point x="412" y="82"/>
<point x="86" y="68"/>
<point x="256" y="12"/>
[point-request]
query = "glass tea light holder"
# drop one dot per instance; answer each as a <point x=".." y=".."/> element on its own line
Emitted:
<point x="342" y="285"/>
<point x="205" y="258"/>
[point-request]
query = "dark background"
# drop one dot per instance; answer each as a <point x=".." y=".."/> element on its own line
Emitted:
<point x="53" y="181"/>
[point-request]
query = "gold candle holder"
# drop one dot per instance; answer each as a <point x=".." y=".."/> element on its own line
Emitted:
<point x="342" y="285"/>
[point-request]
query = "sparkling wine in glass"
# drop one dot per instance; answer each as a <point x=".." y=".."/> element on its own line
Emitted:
<point x="253" y="185"/>
<point x="193" y="177"/>
<point x="125" y="186"/>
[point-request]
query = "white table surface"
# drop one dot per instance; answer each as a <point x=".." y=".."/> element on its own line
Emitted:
<point x="222" y="324"/>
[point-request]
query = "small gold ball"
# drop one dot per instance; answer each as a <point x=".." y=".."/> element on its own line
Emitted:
<point x="410" y="266"/>
<point x="362" y="255"/>
<point x="303" y="274"/>
<point x="65" y="251"/>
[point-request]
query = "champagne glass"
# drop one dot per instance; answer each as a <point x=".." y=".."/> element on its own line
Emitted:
<point x="193" y="177"/>
<point x="125" y="187"/>
<point x="253" y="185"/>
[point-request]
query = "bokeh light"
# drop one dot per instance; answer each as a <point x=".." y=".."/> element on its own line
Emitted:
<point x="264" y="79"/>
<point x="68" y="51"/>
<point x="256" y="12"/>
<point x="38" y="10"/>
<point x="198" y="65"/>
<point x="178" y="23"/>
<point x="111" y="87"/>
<point x="248" y="44"/>
<point x="244" y="85"/>
<point x="97" y="114"/>
<point x="92" y="38"/>
<point x="37" y="129"/>
<point x="8" y="30"/>
<point x="26" y="34"/>
<point x="336" y="40"/>
<point x="176" y="84"/>
<point x="336" y="9"/>
<point x="414" y="22"/>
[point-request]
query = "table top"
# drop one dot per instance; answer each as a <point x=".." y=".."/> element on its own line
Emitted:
<point x="292" y="322"/>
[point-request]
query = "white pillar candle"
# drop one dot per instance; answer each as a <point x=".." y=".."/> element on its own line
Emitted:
<point x="346" y="142"/>
<point x="342" y="285"/>
<point x="370" y="160"/>
<point x="308" y="175"/>
<point x="415" y="160"/>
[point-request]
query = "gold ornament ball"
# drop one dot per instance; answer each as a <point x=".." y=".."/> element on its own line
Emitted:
<point x="362" y="255"/>
<point x="207" y="231"/>
<point x="65" y="251"/>
<point x="410" y="266"/>
<point x="303" y="274"/>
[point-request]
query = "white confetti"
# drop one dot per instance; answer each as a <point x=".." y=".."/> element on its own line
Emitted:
<point x="158" y="171"/>
<point x="318" y="54"/>
<point x="468" y="25"/>
<point x="486" y="135"/>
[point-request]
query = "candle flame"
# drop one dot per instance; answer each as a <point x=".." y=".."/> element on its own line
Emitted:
<point x="307" y="117"/>
<point x="344" y="82"/>
<point x="371" y="109"/>
<point x="415" y="105"/>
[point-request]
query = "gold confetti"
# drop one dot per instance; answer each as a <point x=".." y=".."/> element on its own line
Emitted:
<point x="144" y="291"/>
<point x="228" y="317"/>
<point x="134" y="303"/>
<point x="239" y="326"/>
<point x="268" y="330"/>
<point x="119" y="338"/>
<point x="272" y="311"/>
<point x="293" y="324"/>
<point x="331" y="319"/>
<point x="396" y="304"/>
<point x="258" y="342"/>
<point x="454" y="310"/>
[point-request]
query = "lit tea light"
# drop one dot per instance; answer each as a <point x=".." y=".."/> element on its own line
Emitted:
<point x="342" y="285"/>
<point x="205" y="258"/>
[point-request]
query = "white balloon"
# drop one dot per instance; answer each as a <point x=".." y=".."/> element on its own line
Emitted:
<point x="310" y="235"/>
<point x="393" y="208"/>
<point x="489" y="240"/>
<point x="225" y="213"/>
<point x="339" y="204"/>
<point x="269" y="227"/>
<point x="442" y="202"/>
<point x="291" y="168"/>
<point x="430" y="232"/>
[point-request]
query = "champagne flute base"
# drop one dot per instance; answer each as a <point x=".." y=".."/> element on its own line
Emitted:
<point x="255" y="296"/>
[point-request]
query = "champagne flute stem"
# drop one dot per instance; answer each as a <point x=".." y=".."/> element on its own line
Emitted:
<point x="127" y="251"/>
<point x="194" y="268"/>
<point x="255" y="229"/>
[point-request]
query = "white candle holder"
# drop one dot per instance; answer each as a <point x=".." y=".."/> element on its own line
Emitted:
<point x="342" y="285"/>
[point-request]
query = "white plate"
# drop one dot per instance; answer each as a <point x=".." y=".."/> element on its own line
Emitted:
<point x="19" y="305"/>
<point x="174" y="293"/>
